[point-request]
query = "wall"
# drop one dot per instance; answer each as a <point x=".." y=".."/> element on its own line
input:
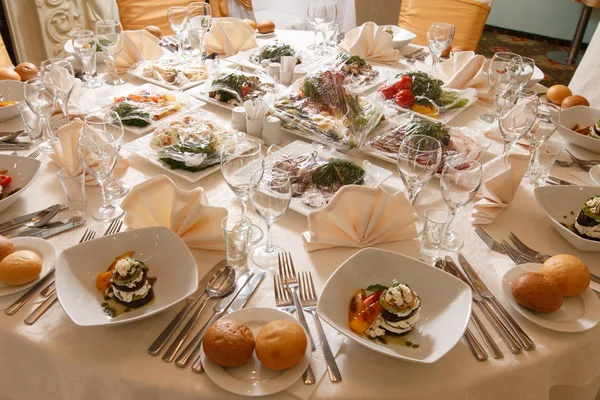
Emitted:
<point x="553" y="18"/>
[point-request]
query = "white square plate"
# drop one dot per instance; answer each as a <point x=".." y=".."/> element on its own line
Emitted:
<point x="23" y="171"/>
<point x="165" y="254"/>
<point x="445" y="302"/>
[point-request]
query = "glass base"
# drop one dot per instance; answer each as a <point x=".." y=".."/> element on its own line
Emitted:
<point x="452" y="242"/>
<point x="108" y="213"/>
<point x="115" y="82"/>
<point x="45" y="147"/>
<point x="91" y="84"/>
<point x="488" y="117"/>
<point x="255" y="235"/>
<point x="117" y="189"/>
<point x="267" y="261"/>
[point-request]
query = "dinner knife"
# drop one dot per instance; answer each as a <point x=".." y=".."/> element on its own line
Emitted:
<point x="487" y="295"/>
<point x="46" y="233"/>
<point x="15" y="146"/>
<point x="27" y="217"/>
<point x="237" y="304"/>
<point x="162" y="339"/>
<point x="219" y="308"/>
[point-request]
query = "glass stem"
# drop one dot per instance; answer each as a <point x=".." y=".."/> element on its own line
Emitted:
<point x="413" y="194"/>
<point x="103" y="191"/>
<point x="244" y="202"/>
<point x="448" y="229"/>
<point x="115" y="73"/>
<point x="47" y="133"/>
<point x="64" y="106"/>
<point x="507" y="146"/>
<point x="269" y="247"/>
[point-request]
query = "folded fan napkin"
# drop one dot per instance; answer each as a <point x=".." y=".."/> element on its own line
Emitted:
<point x="501" y="179"/>
<point x="371" y="43"/>
<point x="229" y="36"/>
<point x="138" y="46"/>
<point x="465" y="69"/>
<point x="159" y="202"/>
<point x="360" y="216"/>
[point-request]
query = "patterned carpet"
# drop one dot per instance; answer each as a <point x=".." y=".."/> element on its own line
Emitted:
<point x="536" y="47"/>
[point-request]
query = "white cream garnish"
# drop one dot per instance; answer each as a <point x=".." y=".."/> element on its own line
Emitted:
<point x="128" y="296"/>
<point x="125" y="265"/>
<point x="591" y="231"/>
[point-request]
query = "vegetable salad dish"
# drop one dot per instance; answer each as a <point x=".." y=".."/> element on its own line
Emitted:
<point x="141" y="108"/>
<point x="175" y="72"/>
<point x="5" y="181"/>
<point x="236" y="87"/>
<point x="273" y="52"/>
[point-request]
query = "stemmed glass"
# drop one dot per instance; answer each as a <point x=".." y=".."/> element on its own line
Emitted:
<point x="115" y="188"/>
<point x="59" y="78"/>
<point x="41" y="101"/>
<point x="98" y="151"/>
<point x="459" y="183"/>
<point x="516" y="117"/>
<point x="419" y="158"/>
<point x="439" y="36"/>
<point x="503" y="74"/>
<point x="271" y="194"/>
<point x="109" y="34"/>
<point x="548" y="119"/>
<point x="526" y="71"/>
<point x="84" y="43"/>
<point x="178" y="19"/>
<point x="322" y="15"/>
<point x="239" y="159"/>
<point x="200" y="17"/>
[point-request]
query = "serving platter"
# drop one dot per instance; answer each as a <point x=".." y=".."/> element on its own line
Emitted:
<point x="137" y="72"/>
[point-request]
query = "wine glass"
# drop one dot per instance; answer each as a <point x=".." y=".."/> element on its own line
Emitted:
<point x="548" y="119"/>
<point x="271" y="193"/>
<point x="98" y="151"/>
<point x="516" y="118"/>
<point x="199" y="16"/>
<point x="115" y="188"/>
<point x="178" y="19"/>
<point x="41" y="101"/>
<point x="239" y="159"/>
<point x="109" y="34"/>
<point x="526" y="71"/>
<point x="503" y="72"/>
<point x="322" y="15"/>
<point x="59" y="79"/>
<point x="439" y="36"/>
<point x="419" y="157"/>
<point x="459" y="183"/>
<point x="85" y="45"/>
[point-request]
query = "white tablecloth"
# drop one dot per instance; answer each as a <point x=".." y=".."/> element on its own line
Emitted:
<point x="55" y="359"/>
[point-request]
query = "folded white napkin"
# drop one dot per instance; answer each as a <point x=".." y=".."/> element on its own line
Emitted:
<point x="371" y="43"/>
<point x="138" y="46"/>
<point x="229" y="36"/>
<point x="466" y="69"/>
<point x="360" y="216"/>
<point x="501" y="179"/>
<point x="159" y="202"/>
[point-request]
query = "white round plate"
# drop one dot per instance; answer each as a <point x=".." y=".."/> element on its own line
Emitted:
<point x="43" y="249"/>
<point x="252" y="378"/>
<point x="595" y="174"/>
<point x="577" y="314"/>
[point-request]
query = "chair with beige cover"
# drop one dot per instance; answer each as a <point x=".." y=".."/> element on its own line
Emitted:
<point x="232" y="8"/>
<point x="138" y="14"/>
<point x="468" y="17"/>
<point x="5" y="60"/>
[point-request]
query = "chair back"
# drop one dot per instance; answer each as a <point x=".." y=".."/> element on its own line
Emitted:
<point x="5" y="60"/>
<point x="138" y="14"/>
<point x="467" y="16"/>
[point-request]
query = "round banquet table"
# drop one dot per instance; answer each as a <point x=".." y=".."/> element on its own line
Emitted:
<point x="56" y="359"/>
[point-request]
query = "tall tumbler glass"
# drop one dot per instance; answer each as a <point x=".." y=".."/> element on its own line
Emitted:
<point x="41" y="101"/>
<point x="110" y="36"/>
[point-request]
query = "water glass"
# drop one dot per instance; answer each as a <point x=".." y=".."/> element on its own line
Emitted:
<point x="72" y="179"/>
<point x="59" y="78"/>
<point x="110" y="36"/>
<point x="545" y="157"/>
<point x="435" y="221"/>
<point x="526" y="71"/>
<point x="31" y="123"/>
<point x="236" y="229"/>
<point x="178" y="19"/>
<point x="271" y="194"/>
<point x="516" y="118"/>
<point x="439" y="36"/>
<point x="321" y="15"/>
<point x="548" y="119"/>
<point x="419" y="158"/>
<point x="85" y="45"/>
<point x="199" y="22"/>
<point x="503" y="72"/>
<point x="41" y="101"/>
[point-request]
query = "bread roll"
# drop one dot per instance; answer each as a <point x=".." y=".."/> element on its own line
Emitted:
<point x="534" y="291"/>
<point x="575" y="100"/>
<point x="26" y="71"/>
<point x="9" y="74"/>
<point x="558" y="93"/>
<point x="155" y="30"/>
<point x="280" y="345"/>
<point x="20" y="267"/>
<point x="6" y="247"/>
<point x="446" y="51"/>
<point x="266" y="26"/>
<point x="228" y="343"/>
<point x="251" y="23"/>
<point x="570" y="274"/>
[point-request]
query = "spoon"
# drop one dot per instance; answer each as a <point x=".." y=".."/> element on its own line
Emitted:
<point x="8" y="136"/>
<point x="220" y="284"/>
<point x="42" y="218"/>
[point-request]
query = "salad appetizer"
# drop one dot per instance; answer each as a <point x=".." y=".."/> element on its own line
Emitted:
<point x="380" y="312"/>
<point x="236" y="87"/>
<point x="587" y="224"/>
<point x="5" y="181"/>
<point x="590" y="130"/>
<point x="125" y="285"/>
<point x="139" y="109"/>
<point x="175" y="72"/>
<point x="357" y="71"/>
<point x="191" y="143"/>
<point x="273" y="52"/>
<point x="419" y="92"/>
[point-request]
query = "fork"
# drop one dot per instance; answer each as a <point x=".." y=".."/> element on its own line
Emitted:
<point x="35" y="154"/>
<point x="308" y="296"/>
<point x="52" y="297"/>
<point x="287" y="272"/>
<point x="521" y="246"/>
<point x="514" y="254"/>
<point x="584" y="164"/>
<point x="283" y="300"/>
<point x="489" y="241"/>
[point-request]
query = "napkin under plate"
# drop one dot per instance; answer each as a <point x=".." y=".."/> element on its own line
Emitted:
<point x="229" y="36"/>
<point x="466" y="69"/>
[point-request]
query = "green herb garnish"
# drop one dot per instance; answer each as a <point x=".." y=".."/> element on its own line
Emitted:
<point x="376" y="287"/>
<point x="338" y="172"/>
<point x="131" y="115"/>
<point x="425" y="127"/>
<point x="178" y="156"/>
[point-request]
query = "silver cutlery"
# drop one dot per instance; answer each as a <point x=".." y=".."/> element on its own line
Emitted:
<point x="287" y="272"/>
<point x="514" y="255"/>
<point x="34" y="154"/>
<point x="52" y="224"/>
<point x="557" y="181"/>
<point x="14" y="146"/>
<point x="491" y="344"/>
<point x="14" y="153"/>
<point x="8" y="136"/>
<point x="219" y="308"/>
<point x="584" y="164"/>
<point x="42" y="308"/>
<point x="164" y="336"/>
<point x="62" y="227"/>
<point x="32" y="220"/>
<point x="489" y="241"/>
<point x="283" y="301"/>
<point x="13" y="308"/>
<point x="484" y="292"/>
<point x="308" y="297"/>
<point x="220" y="284"/>
<point x="46" y="291"/>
